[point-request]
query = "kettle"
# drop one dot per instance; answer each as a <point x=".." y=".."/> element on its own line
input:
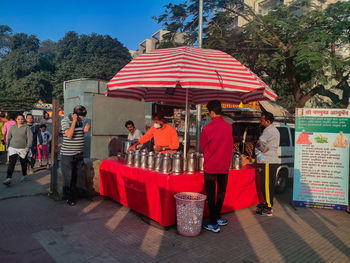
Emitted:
<point x="236" y="161"/>
<point x="130" y="158"/>
<point x="150" y="161"/>
<point x="178" y="163"/>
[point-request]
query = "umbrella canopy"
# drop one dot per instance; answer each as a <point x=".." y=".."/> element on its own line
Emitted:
<point x="207" y="74"/>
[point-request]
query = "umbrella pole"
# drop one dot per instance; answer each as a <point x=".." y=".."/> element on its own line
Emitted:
<point x="186" y="126"/>
<point x="199" y="106"/>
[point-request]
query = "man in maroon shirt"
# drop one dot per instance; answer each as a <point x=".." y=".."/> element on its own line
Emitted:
<point x="216" y="142"/>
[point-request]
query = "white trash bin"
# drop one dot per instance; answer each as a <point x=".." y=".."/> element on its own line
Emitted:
<point x="189" y="213"/>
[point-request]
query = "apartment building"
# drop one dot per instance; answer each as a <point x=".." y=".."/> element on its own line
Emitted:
<point x="262" y="7"/>
<point x="153" y="43"/>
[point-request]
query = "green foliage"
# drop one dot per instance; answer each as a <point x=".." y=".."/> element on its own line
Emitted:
<point x="295" y="48"/>
<point x="31" y="70"/>
<point x="5" y="34"/>
<point x="84" y="56"/>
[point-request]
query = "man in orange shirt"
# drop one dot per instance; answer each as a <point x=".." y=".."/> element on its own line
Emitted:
<point x="165" y="136"/>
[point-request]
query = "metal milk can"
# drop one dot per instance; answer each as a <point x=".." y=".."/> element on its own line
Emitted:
<point x="178" y="163"/>
<point x="236" y="161"/>
<point x="201" y="162"/>
<point x="191" y="163"/>
<point x="150" y="161"/>
<point x="158" y="162"/>
<point x="166" y="166"/>
<point x="143" y="159"/>
<point x="130" y="158"/>
<point x="137" y="158"/>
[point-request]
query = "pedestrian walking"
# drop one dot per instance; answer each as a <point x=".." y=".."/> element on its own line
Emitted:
<point x="19" y="141"/>
<point x="48" y="122"/>
<point x="2" y="141"/>
<point x="33" y="150"/>
<point x="74" y="181"/>
<point x="44" y="138"/>
<point x="216" y="142"/>
<point x="10" y="122"/>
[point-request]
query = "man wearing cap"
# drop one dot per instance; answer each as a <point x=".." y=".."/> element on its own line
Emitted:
<point x="73" y="128"/>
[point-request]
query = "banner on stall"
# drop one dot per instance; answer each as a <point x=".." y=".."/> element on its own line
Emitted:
<point x="321" y="162"/>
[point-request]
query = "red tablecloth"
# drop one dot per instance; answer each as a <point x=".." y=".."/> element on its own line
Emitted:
<point x="151" y="193"/>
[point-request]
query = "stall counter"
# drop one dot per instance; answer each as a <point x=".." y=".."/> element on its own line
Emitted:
<point x="151" y="193"/>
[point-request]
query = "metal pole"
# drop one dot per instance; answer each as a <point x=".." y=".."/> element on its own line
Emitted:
<point x="199" y="106"/>
<point x="186" y="127"/>
<point x="200" y="24"/>
<point x="54" y="148"/>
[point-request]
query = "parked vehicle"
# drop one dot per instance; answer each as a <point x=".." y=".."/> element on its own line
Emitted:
<point x="246" y="132"/>
<point x="285" y="155"/>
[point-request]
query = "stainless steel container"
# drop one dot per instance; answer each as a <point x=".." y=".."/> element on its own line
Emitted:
<point x="150" y="160"/>
<point x="236" y="162"/>
<point x="130" y="158"/>
<point x="191" y="163"/>
<point x="197" y="156"/>
<point x="201" y="162"/>
<point x="158" y="162"/>
<point x="143" y="159"/>
<point x="126" y="145"/>
<point x="166" y="165"/>
<point x="178" y="163"/>
<point x="137" y="158"/>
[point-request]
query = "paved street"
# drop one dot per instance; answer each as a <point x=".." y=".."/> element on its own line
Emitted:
<point x="34" y="228"/>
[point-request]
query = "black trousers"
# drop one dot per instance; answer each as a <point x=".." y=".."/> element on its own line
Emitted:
<point x="73" y="173"/>
<point x="215" y="206"/>
<point x="12" y="163"/>
<point x="31" y="160"/>
<point x="266" y="178"/>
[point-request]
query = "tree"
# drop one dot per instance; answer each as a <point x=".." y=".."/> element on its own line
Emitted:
<point x="88" y="56"/>
<point x="26" y="74"/>
<point x="5" y="34"/>
<point x="336" y="37"/>
<point x="305" y="54"/>
<point x="286" y="47"/>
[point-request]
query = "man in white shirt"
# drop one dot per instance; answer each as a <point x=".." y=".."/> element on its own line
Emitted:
<point x="134" y="134"/>
<point x="266" y="148"/>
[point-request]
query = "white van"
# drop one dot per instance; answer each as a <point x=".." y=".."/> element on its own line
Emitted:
<point x="285" y="155"/>
<point x="246" y="131"/>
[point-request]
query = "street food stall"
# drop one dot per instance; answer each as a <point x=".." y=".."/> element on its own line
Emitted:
<point x="151" y="193"/>
<point x="146" y="181"/>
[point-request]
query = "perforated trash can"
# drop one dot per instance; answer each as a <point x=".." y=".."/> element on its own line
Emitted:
<point x="189" y="213"/>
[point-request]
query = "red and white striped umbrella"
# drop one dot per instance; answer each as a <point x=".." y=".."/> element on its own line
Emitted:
<point x="207" y="74"/>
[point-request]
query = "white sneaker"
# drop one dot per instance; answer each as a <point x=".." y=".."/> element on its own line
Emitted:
<point x="7" y="181"/>
<point x="23" y="179"/>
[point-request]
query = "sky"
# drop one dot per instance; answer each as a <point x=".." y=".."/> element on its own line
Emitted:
<point x="130" y="21"/>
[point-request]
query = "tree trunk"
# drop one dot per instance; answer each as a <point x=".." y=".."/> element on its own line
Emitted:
<point x="292" y="80"/>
